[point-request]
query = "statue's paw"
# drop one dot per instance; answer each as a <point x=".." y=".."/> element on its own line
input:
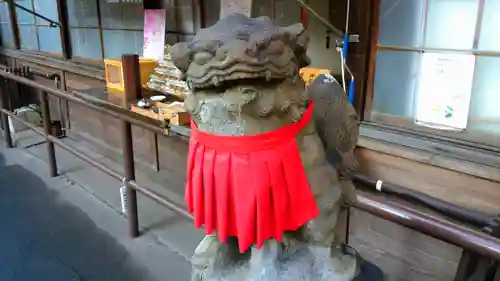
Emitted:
<point x="196" y="275"/>
<point x="205" y="253"/>
<point x="349" y="195"/>
<point x="332" y="264"/>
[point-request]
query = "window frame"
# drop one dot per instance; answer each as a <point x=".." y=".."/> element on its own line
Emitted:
<point x="17" y="36"/>
<point x="198" y="13"/>
<point x="392" y="122"/>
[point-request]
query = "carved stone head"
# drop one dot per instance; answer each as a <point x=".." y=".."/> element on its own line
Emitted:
<point x="244" y="71"/>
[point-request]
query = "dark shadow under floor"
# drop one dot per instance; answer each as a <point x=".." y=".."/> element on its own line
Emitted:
<point x="44" y="238"/>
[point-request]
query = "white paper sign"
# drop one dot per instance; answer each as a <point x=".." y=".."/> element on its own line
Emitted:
<point x="154" y="34"/>
<point x="444" y="90"/>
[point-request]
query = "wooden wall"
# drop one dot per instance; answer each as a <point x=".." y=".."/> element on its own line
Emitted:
<point x="447" y="179"/>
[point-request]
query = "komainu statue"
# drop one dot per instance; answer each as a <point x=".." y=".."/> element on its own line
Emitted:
<point x="269" y="161"/>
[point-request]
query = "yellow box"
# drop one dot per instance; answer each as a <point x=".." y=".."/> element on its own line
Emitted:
<point x="114" y="72"/>
<point x="308" y="74"/>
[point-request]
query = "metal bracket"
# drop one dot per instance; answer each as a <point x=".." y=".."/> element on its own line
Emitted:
<point x="352" y="38"/>
<point x="178" y="130"/>
<point x="51" y="22"/>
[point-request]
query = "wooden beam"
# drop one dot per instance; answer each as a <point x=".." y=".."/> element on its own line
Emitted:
<point x="152" y="4"/>
<point x="62" y="11"/>
<point x="14" y="25"/>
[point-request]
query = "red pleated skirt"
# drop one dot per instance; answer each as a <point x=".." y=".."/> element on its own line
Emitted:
<point x="250" y="187"/>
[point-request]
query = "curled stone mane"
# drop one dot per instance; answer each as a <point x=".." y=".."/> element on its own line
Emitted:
<point x="238" y="47"/>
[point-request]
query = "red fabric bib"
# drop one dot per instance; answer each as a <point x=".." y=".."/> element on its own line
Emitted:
<point x="250" y="187"/>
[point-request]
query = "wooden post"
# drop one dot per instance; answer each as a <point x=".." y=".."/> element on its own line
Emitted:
<point x="4" y="104"/>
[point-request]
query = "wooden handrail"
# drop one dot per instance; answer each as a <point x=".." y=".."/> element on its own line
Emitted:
<point x="433" y="226"/>
<point x="474" y="218"/>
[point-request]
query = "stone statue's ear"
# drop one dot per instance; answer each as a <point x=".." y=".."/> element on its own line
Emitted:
<point x="302" y="39"/>
<point x="181" y="56"/>
<point x="297" y="37"/>
<point x="293" y="31"/>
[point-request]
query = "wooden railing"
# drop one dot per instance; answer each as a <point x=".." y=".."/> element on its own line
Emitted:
<point x="481" y="250"/>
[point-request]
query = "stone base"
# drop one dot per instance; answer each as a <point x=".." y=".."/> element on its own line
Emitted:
<point x="273" y="264"/>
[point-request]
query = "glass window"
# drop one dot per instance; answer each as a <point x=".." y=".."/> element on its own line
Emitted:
<point x="450" y="24"/>
<point x="488" y="38"/>
<point x="6" y="34"/>
<point x="396" y="77"/>
<point x="85" y="36"/>
<point x="408" y="31"/>
<point x="97" y="29"/>
<point x="37" y="33"/>
<point x="401" y="23"/>
<point x="484" y="116"/>
<point x="118" y="42"/>
<point x="122" y="15"/>
<point x="122" y="28"/>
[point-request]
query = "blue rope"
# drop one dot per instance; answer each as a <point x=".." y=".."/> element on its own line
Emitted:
<point x="344" y="53"/>
<point x="351" y="91"/>
<point x="346" y="44"/>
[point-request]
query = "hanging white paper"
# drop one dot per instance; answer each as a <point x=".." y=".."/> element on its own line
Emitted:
<point x="444" y="90"/>
<point x="154" y="34"/>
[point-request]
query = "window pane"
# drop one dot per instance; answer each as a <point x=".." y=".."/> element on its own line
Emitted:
<point x="28" y="37"/>
<point x="82" y="13"/>
<point x="396" y="76"/>
<point x="6" y="35"/>
<point x="122" y="15"/>
<point x="488" y="38"/>
<point x="25" y="3"/>
<point x="401" y="22"/>
<point x="4" y="12"/>
<point x="50" y="39"/>
<point x="451" y="24"/>
<point x="484" y="115"/>
<point x="48" y="9"/>
<point x="118" y="42"/>
<point x="24" y="17"/>
<point x="85" y="43"/>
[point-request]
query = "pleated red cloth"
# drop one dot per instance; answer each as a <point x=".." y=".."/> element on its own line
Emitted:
<point x="250" y="187"/>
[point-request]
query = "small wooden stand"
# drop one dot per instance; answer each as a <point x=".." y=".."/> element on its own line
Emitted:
<point x="174" y="114"/>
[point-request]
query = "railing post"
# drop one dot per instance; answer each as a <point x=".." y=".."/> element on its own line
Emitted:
<point x="129" y="169"/>
<point x="131" y="76"/>
<point x="47" y="127"/>
<point x="4" y="104"/>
